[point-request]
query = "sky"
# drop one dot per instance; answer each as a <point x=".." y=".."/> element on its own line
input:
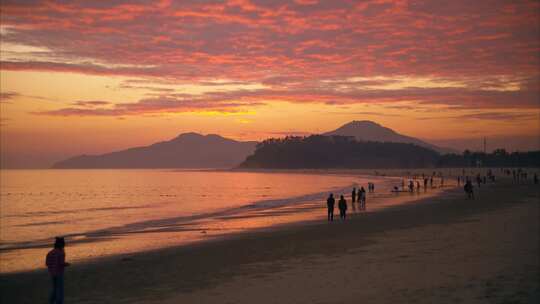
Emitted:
<point x="89" y="77"/>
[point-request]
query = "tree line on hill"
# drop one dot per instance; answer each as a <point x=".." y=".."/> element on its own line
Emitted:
<point x="318" y="151"/>
<point x="498" y="158"/>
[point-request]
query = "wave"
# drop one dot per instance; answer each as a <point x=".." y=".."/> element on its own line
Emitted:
<point x="179" y="223"/>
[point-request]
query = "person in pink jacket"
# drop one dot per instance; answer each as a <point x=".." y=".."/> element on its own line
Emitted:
<point x="56" y="262"/>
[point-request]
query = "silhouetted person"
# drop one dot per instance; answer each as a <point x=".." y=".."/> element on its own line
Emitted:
<point x="353" y="195"/>
<point x="417" y="186"/>
<point x="56" y="262"/>
<point x="372" y="187"/>
<point x="411" y="186"/>
<point x="362" y="198"/>
<point x="431" y="181"/>
<point x="535" y="179"/>
<point x="425" y="184"/>
<point x="330" y="202"/>
<point x="459" y="181"/>
<point x="342" y="205"/>
<point x="469" y="189"/>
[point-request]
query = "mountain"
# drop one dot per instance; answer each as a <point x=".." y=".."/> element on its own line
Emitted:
<point x="366" y="130"/>
<point x="188" y="150"/>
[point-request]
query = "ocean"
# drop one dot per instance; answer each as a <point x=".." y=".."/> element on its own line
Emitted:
<point x="112" y="212"/>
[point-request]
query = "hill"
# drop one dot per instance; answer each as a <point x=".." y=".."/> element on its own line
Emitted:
<point x="188" y="150"/>
<point x="366" y="130"/>
<point x="317" y="151"/>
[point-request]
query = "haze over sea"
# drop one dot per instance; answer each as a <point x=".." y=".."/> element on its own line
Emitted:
<point x="109" y="212"/>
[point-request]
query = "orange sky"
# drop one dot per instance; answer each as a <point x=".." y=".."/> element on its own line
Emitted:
<point x="92" y="77"/>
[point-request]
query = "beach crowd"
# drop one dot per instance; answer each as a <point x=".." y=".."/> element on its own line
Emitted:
<point x="417" y="182"/>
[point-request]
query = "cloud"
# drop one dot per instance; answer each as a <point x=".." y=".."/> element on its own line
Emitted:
<point x="163" y="104"/>
<point x="243" y="100"/>
<point x="90" y="104"/>
<point x="498" y="116"/>
<point x="290" y="133"/>
<point x="302" y="51"/>
<point x="382" y="114"/>
<point x="7" y="97"/>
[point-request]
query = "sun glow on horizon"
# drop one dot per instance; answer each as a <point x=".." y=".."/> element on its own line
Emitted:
<point x="110" y="76"/>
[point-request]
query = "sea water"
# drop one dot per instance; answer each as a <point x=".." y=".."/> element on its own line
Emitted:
<point x="113" y="212"/>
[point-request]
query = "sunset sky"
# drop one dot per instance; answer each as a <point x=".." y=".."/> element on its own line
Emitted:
<point x="96" y="76"/>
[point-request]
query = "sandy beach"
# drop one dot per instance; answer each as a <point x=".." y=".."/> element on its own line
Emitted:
<point x="442" y="249"/>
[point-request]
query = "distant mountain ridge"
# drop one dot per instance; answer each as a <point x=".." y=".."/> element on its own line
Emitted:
<point x="188" y="150"/>
<point x="365" y="130"/>
<point x="193" y="150"/>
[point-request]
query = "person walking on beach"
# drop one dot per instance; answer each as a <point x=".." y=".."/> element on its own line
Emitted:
<point x="330" y="202"/>
<point x="342" y="205"/>
<point x="353" y="195"/>
<point x="56" y="262"/>
<point x="469" y="189"/>
<point x="362" y="198"/>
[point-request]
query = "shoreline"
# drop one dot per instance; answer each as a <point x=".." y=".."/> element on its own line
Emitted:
<point x="170" y="273"/>
<point x="282" y="217"/>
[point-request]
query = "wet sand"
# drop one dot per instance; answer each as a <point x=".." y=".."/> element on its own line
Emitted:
<point x="442" y="249"/>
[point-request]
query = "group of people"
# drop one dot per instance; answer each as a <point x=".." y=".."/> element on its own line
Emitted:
<point x="520" y="176"/>
<point x="357" y="196"/>
<point x="415" y="185"/>
<point x="360" y="196"/>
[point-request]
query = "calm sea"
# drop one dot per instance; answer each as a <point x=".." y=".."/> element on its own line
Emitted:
<point x="109" y="212"/>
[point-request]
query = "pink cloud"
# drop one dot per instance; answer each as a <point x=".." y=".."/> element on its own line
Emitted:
<point x="163" y="104"/>
<point x="292" y="45"/>
<point x="7" y="97"/>
<point x="90" y="103"/>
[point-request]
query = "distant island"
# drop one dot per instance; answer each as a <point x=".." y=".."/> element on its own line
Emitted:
<point x="317" y="151"/>
<point x="188" y="150"/>
<point x="357" y="144"/>
<point x="192" y="150"/>
<point x="366" y="130"/>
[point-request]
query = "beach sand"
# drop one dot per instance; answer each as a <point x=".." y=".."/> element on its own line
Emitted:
<point x="443" y="249"/>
